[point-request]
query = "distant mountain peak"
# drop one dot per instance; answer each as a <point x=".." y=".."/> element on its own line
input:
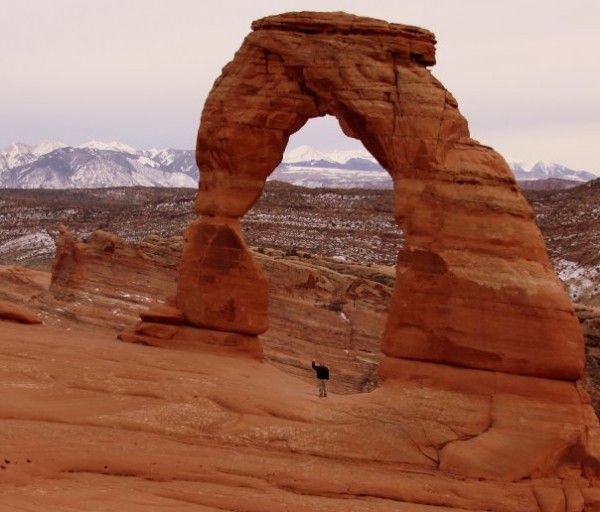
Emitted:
<point x="16" y="148"/>
<point x="109" y="146"/>
<point x="303" y="154"/>
<point x="543" y="169"/>
<point x="46" y="147"/>
<point x="95" y="164"/>
<point x="310" y="154"/>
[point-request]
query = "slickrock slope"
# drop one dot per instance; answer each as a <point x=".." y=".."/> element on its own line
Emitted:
<point x="94" y="423"/>
<point x="90" y="423"/>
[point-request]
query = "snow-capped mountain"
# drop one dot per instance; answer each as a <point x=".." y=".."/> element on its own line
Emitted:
<point x="16" y="154"/>
<point x="100" y="164"/>
<point x="304" y="154"/>
<point x="94" y="165"/>
<point x="541" y="170"/>
<point x="109" y="146"/>
<point x="20" y="154"/>
<point x="46" y="147"/>
<point x="309" y="167"/>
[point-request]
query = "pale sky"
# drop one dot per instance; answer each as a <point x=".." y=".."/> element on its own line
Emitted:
<point x="526" y="73"/>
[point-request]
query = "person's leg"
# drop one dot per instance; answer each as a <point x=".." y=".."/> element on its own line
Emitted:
<point x="324" y="387"/>
<point x="322" y="391"/>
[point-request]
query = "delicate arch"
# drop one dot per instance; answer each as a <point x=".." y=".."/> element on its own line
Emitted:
<point x="474" y="284"/>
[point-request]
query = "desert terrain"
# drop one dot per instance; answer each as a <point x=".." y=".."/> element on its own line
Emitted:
<point x="93" y="423"/>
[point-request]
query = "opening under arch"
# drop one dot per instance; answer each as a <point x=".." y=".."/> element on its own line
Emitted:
<point x="329" y="254"/>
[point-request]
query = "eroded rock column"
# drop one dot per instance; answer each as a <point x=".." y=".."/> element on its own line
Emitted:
<point x="474" y="285"/>
<point x="220" y="285"/>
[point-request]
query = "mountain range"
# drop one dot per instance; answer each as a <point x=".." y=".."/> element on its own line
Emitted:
<point x="94" y="165"/>
<point x="97" y="164"/>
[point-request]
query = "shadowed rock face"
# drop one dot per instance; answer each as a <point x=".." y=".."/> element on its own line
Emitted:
<point x="474" y="286"/>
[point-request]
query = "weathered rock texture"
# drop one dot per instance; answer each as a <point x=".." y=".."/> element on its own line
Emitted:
<point x="477" y="411"/>
<point x="222" y="287"/>
<point x="474" y="286"/>
<point x="318" y="307"/>
<point x="106" y="279"/>
<point x="90" y="424"/>
<point x="190" y="428"/>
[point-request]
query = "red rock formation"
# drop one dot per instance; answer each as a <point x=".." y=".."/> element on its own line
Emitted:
<point x="474" y="286"/>
<point x="220" y="285"/>
<point x="320" y="308"/>
<point x="184" y="421"/>
<point x="88" y="423"/>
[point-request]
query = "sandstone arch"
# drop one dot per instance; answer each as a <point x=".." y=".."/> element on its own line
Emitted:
<point x="474" y="284"/>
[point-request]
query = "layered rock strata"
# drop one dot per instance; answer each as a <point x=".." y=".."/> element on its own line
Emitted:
<point x="474" y="286"/>
<point x="90" y="424"/>
<point x="433" y="436"/>
<point x="318" y="307"/>
<point x="220" y="285"/>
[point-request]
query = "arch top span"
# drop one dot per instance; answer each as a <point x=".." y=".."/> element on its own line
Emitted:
<point x="419" y="42"/>
<point x="474" y="285"/>
<point x="371" y="75"/>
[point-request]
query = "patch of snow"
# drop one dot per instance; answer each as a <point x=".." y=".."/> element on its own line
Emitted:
<point x="310" y="154"/>
<point x="46" y="147"/>
<point x="15" y="154"/>
<point x="27" y="246"/>
<point x="578" y="279"/>
<point x="348" y="154"/>
<point x="333" y="178"/>
<point x="303" y="154"/>
<point x="109" y="146"/>
<point x="147" y="161"/>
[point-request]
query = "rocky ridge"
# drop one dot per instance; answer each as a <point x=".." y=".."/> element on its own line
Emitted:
<point x="95" y="164"/>
<point x="319" y="307"/>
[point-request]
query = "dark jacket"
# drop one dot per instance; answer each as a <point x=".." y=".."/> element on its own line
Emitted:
<point x="322" y="371"/>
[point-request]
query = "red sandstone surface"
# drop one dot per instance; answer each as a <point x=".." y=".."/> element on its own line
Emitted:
<point x="472" y="249"/>
<point x="93" y="423"/>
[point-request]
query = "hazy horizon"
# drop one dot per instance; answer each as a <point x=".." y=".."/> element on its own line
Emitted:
<point x="138" y="72"/>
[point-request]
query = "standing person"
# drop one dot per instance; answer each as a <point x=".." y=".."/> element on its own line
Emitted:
<point x="322" y="377"/>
